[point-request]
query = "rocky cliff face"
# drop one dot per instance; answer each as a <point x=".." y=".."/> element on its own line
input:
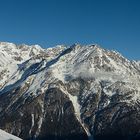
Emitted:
<point x="67" y="93"/>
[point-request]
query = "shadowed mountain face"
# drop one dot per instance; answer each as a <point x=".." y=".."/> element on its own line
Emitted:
<point x="68" y="93"/>
<point x="48" y="116"/>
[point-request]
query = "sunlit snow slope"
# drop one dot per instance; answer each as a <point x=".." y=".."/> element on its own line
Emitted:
<point x="68" y="92"/>
<point x="6" y="136"/>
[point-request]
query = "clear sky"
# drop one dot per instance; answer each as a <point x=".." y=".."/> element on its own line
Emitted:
<point x="113" y="24"/>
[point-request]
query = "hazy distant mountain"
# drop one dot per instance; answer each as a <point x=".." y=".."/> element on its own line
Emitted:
<point x="68" y="93"/>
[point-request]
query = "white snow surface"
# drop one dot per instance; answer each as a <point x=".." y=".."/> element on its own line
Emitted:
<point x="87" y="62"/>
<point x="6" y="136"/>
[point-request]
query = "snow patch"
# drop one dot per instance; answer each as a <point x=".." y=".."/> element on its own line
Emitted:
<point x="6" y="136"/>
<point x="76" y="105"/>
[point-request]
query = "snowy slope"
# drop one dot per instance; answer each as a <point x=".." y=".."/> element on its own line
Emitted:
<point x="89" y="62"/>
<point x="93" y="79"/>
<point x="65" y="64"/>
<point x="12" y="56"/>
<point x="6" y="136"/>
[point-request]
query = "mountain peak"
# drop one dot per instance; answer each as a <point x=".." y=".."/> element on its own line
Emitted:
<point x="84" y="86"/>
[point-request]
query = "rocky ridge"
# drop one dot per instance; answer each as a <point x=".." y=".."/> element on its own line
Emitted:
<point x="77" y="92"/>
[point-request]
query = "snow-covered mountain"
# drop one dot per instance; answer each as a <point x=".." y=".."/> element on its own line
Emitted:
<point x="77" y="92"/>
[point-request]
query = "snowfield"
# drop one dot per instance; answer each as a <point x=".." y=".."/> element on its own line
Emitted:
<point x="6" y="136"/>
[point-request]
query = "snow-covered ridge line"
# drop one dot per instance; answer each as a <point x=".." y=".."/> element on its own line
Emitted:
<point x="88" y="62"/>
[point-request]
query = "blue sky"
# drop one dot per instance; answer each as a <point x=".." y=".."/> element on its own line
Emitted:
<point x="113" y="24"/>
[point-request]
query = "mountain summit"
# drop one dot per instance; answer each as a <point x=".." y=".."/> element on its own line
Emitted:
<point x="68" y="93"/>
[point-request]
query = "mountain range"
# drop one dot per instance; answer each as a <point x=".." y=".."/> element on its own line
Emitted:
<point x="68" y="93"/>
